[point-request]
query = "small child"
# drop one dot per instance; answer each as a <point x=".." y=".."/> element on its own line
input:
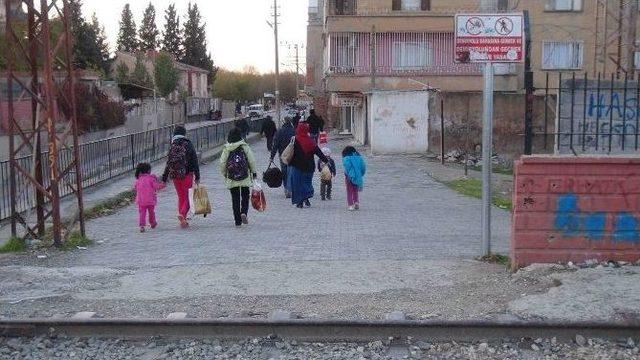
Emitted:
<point x="146" y="186"/>
<point x="327" y="172"/>
<point x="354" y="171"/>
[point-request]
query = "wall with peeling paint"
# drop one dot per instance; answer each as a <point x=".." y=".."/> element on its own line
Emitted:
<point x="398" y="122"/>
<point x="570" y="208"/>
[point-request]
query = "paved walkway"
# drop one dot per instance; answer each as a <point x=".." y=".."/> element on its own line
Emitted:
<point x="412" y="234"/>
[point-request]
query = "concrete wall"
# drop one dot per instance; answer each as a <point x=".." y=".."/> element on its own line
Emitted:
<point x="576" y="209"/>
<point x="463" y="123"/>
<point x="399" y="122"/>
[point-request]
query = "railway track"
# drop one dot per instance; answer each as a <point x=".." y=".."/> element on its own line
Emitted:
<point x="314" y="330"/>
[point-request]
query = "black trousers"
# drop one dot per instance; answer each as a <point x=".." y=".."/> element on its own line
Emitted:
<point x="240" y="201"/>
<point x="269" y="142"/>
<point x="325" y="189"/>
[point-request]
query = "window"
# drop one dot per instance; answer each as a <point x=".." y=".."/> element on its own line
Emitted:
<point x="561" y="55"/>
<point x="346" y="49"/>
<point x="411" y="5"/>
<point x="344" y="7"/>
<point x="636" y="59"/>
<point x="563" y="5"/>
<point x="411" y="55"/>
<point x="503" y="5"/>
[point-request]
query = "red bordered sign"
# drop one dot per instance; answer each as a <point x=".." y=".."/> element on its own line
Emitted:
<point x="489" y="38"/>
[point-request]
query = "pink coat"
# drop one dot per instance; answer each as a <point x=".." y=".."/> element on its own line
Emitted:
<point x="146" y="187"/>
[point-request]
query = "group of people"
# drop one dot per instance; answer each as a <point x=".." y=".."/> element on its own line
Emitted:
<point x="238" y="167"/>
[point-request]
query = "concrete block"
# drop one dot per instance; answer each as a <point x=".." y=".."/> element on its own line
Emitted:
<point x="280" y="315"/>
<point x="396" y="316"/>
<point x="177" y="315"/>
<point x="84" y="315"/>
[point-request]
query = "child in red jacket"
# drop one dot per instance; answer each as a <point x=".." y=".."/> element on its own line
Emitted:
<point x="146" y="187"/>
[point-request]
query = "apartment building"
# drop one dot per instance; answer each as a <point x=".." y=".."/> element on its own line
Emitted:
<point x="360" y="46"/>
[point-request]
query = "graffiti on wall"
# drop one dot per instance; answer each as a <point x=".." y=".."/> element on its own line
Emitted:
<point x="598" y="117"/>
<point x="571" y="221"/>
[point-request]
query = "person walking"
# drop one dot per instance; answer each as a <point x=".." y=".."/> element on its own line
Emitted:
<point x="281" y="141"/>
<point x="238" y="166"/>
<point x="302" y="166"/>
<point x="243" y="125"/>
<point x="327" y="173"/>
<point x="269" y="131"/>
<point x="182" y="168"/>
<point x="354" y="171"/>
<point x="316" y="125"/>
<point x="146" y="187"/>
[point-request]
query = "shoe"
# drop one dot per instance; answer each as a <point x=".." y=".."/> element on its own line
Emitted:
<point x="323" y="198"/>
<point x="351" y="208"/>
<point x="142" y="229"/>
<point x="287" y="194"/>
<point x="245" y="219"/>
<point x="307" y="203"/>
<point x="153" y="226"/>
<point x="238" y="225"/>
<point x="300" y="206"/>
<point x="357" y="206"/>
<point x="328" y="197"/>
<point x="183" y="222"/>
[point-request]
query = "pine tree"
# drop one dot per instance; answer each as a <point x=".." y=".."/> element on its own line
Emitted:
<point x="148" y="30"/>
<point x="127" y="37"/>
<point x="140" y="75"/>
<point x="101" y="44"/>
<point x="195" y="41"/>
<point x="172" y="34"/>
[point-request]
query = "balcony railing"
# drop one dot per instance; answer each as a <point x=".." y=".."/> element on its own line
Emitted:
<point x="395" y="54"/>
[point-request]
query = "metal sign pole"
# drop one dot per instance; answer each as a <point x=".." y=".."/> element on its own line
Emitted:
<point x="487" y="146"/>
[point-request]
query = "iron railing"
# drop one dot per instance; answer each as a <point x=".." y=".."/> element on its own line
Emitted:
<point x="106" y="159"/>
<point x="588" y="114"/>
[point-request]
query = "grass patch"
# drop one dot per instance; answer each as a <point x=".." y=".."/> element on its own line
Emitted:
<point x="110" y="206"/>
<point x="13" y="245"/>
<point x="496" y="169"/>
<point x="496" y="259"/>
<point x="473" y="187"/>
<point x="75" y="240"/>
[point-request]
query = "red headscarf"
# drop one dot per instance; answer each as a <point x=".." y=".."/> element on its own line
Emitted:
<point x="302" y="137"/>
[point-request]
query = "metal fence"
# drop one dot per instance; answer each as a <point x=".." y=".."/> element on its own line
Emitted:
<point x="589" y="114"/>
<point x="107" y="159"/>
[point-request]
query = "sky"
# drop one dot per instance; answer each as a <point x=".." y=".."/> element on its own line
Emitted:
<point x="237" y="31"/>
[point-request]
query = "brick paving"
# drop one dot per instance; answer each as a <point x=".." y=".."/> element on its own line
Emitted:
<point x="405" y="215"/>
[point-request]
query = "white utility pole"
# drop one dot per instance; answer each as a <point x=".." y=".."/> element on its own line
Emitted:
<point x="275" y="33"/>
<point x="297" y="70"/>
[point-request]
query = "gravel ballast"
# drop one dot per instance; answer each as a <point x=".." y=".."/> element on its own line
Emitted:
<point x="276" y="348"/>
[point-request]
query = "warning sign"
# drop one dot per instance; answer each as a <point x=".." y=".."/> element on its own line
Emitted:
<point x="489" y="38"/>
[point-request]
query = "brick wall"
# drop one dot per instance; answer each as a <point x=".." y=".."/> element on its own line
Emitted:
<point x="575" y="209"/>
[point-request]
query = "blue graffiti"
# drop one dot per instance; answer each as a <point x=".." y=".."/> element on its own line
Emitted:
<point x="602" y="106"/>
<point x="572" y="222"/>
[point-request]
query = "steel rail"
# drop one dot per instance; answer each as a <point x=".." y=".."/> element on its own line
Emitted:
<point x="316" y="330"/>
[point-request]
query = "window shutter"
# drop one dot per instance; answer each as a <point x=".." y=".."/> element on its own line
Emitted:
<point x="503" y="5"/>
<point x="396" y="5"/>
<point x="425" y="5"/>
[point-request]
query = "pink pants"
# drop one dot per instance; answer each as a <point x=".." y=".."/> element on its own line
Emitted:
<point x="182" y="189"/>
<point x="143" y="210"/>
<point x="352" y="192"/>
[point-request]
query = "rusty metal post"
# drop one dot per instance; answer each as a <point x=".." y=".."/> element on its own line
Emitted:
<point x="11" y="119"/>
<point x="68" y="44"/>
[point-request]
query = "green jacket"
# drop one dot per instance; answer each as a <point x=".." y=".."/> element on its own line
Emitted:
<point x="223" y="164"/>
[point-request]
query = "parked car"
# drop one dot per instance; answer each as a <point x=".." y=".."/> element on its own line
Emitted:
<point x="256" y="110"/>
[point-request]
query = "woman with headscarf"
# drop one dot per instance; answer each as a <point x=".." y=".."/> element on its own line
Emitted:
<point x="302" y="166"/>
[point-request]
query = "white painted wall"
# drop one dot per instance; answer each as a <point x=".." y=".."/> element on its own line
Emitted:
<point x="399" y="122"/>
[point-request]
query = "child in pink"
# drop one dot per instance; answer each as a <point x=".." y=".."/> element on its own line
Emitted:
<point x="146" y="186"/>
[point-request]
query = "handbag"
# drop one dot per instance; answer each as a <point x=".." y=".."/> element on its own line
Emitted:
<point x="272" y="176"/>
<point x="201" y="203"/>
<point x="287" y="154"/>
<point x="258" y="200"/>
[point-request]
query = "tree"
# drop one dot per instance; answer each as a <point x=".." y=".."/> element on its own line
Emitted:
<point x="148" y="30"/>
<point x="195" y="42"/>
<point x="172" y="34"/>
<point x="90" y="49"/>
<point x="102" y="45"/>
<point x="127" y="37"/>
<point x="122" y="73"/>
<point x="165" y="74"/>
<point x="140" y="75"/>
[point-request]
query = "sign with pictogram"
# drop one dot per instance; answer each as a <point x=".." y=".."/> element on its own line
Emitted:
<point x="489" y="38"/>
